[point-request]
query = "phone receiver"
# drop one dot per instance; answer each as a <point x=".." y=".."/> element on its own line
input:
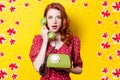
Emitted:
<point x="51" y="35"/>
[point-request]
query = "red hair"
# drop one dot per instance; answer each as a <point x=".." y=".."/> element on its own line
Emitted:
<point x="64" y="30"/>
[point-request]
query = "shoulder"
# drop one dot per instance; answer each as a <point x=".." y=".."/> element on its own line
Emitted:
<point x="75" y="38"/>
<point x="37" y="38"/>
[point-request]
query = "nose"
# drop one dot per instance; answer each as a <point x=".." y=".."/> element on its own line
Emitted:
<point x="55" y="21"/>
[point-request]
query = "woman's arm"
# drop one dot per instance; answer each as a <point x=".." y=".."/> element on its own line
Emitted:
<point x="76" y="70"/>
<point x="41" y="56"/>
<point x="39" y="60"/>
<point x="77" y="61"/>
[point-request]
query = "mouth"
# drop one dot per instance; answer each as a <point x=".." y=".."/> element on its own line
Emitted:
<point x="54" y="26"/>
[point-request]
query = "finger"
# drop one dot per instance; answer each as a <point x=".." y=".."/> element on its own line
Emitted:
<point x="43" y="27"/>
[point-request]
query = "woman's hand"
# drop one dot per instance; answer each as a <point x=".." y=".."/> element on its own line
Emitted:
<point x="44" y="32"/>
<point x="76" y="70"/>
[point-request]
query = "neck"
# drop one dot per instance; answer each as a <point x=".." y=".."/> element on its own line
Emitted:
<point x="58" y="36"/>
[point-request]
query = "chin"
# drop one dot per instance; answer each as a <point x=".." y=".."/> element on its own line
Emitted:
<point x="55" y="31"/>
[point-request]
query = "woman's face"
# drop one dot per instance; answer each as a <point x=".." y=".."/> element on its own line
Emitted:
<point x="54" y="20"/>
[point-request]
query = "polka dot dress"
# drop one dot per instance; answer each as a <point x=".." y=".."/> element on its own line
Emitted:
<point x="73" y="50"/>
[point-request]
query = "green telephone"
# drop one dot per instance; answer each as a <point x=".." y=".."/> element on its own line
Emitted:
<point x="58" y="61"/>
<point x="51" y="35"/>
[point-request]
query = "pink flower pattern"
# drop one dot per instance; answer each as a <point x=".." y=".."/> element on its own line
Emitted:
<point x="12" y="41"/>
<point x="115" y="21"/>
<point x="105" y="78"/>
<point x="116" y="38"/>
<point x="118" y="53"/>
<point x="105" y="13"/>
<point x="99" y="53"/>
<point x="73" y="1"/>
<point x="12" y="9"/>
<point x="105" y="35"/>
<point x="116" y="73"/>
<point x="1" y="54"/>
<point x="99" y="22"/>
<point x="17" y="22"/>
<point x="105" y="45"/>
<point x="10" y="1"/>
<point x="2" y="39"/>
<point x="14" y="76"/>
<point x="105" y="3"/>
<point x="13" y="66"/>
<point x="26" y="4"/>
<point x="116" y="6"/>
<point x="3" y="74"/>
<point x="86" y="4"/>
<point x="105" y="70"/>
<point x="11" y="31"/>
<point x="1" y="21"/>
<point x="2" y="6"/>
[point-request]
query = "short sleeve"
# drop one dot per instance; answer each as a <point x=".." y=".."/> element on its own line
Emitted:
<point x="36" y="46"/>
<point x="77" y="61"/>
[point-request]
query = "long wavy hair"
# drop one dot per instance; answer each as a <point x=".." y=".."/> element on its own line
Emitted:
<point x="65" y="32"/>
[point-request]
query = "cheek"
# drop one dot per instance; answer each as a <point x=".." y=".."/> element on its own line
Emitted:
<point x="60" y="23"/>
<point x="49" y="23"/>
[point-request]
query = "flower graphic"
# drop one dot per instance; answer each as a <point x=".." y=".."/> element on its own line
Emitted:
<point x="13" y="66"/>
<point x="73" y="1"/>
<point x="14" y="76"/>
<point x="12" y="9"/>
<point x="116" y="73"/>
<point x="110" y="57"/>
<point x="2" y="6"/>
<point x="3" y="74"/>
<point x="2" y="39"/>
<point x="105" y="45"/>
<point x="12" y="41"/>
<point x="99" y="53"/>
<point x="11" y="31"/>
<point x="115" y="21"/>
<point x="19" y="57"/>
<point x="105" y="70"/>
<point x="1" y="21"/>
<point x="105" y="35"/>
<point x="116" y="38"/>
<point x="99" y="22"/>
<point x="105" y="3"/>
<point x="1" y="54"/>
<point x="17" y="22"/>
<point x="85" y="4"/>
<point x="118" y="53"/>
<point x="10" y="1"/>
<point x="116" y="6"/>
<point x="105" y="78"/>
<point x="105" y="13"/>
<point x="26" y="4"/>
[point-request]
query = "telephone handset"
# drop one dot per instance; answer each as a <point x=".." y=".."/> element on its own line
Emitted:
<point x="51" y="35"/>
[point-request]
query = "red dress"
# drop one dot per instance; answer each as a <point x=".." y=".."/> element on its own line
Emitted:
<point x="73" y="50"/>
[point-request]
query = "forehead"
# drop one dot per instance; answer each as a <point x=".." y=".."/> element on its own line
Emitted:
<point x="53" y="12"/>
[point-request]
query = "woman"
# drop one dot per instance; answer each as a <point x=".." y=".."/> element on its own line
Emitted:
<point x="57" y="22"/>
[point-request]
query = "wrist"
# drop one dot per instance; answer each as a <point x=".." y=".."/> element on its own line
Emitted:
<point x="45" y="40"/>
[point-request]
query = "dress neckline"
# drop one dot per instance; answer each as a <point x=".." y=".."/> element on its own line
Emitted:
<point x="55" y="47"/>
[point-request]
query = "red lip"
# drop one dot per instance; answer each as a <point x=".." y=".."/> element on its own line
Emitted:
<point x="54" y="26"/>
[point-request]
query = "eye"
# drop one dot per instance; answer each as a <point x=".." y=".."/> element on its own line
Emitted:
<point x="59" y="17"/>
<point x="49" y="17"/>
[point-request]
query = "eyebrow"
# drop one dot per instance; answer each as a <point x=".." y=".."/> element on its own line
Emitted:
<point x="53" y="15"/>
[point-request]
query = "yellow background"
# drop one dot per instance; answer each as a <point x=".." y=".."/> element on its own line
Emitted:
<point x="83" y="23"/>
